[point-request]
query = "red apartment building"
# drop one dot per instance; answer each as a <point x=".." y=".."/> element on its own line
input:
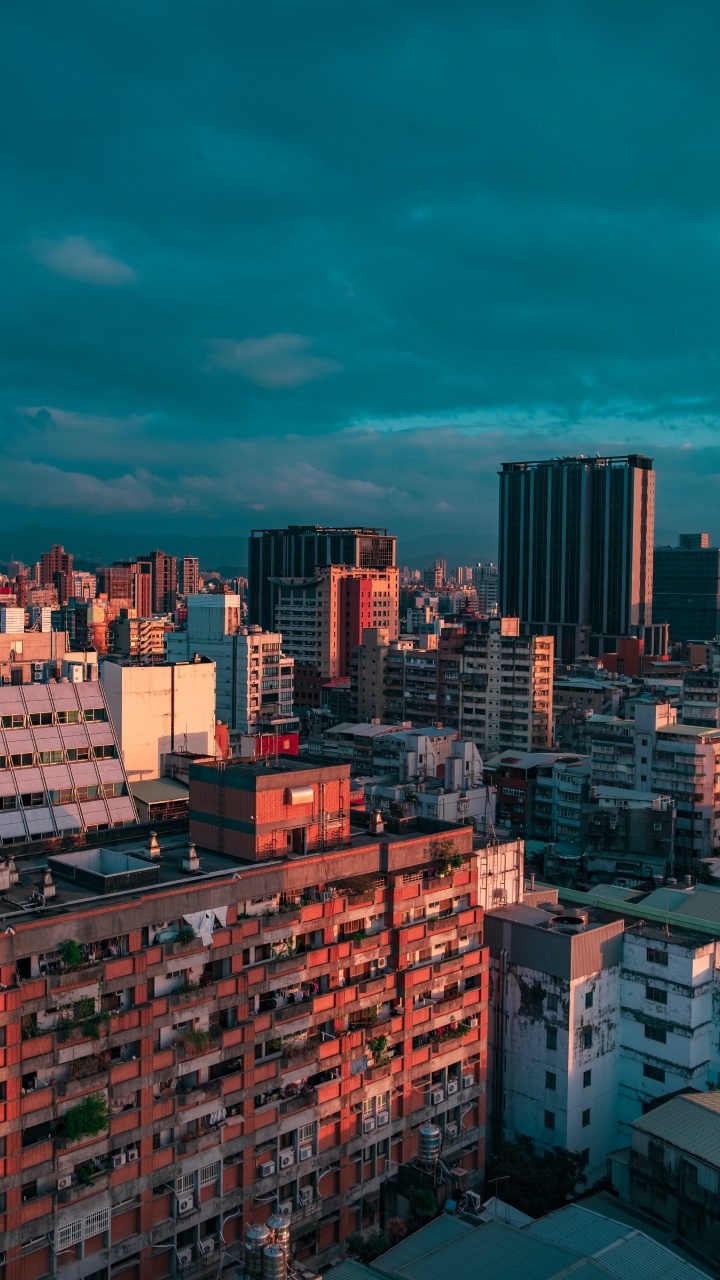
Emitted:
<point x="187" y="1044"/>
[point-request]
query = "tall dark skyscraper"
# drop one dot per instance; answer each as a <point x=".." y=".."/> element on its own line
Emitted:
<point x="296" y="552"/>
<point x="576" y="548"/>
<point x="686" y="589"/>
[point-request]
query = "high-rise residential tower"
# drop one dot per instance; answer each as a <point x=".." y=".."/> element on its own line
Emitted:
<point x="189" y="576"/>
<point x="163" y="569"/>
<point x="299" y="550"/>
<point x="576" y="548"/>
<point x="56" y="571"/>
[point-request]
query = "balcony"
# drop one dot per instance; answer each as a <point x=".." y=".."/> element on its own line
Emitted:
<point x="80" y="975"/>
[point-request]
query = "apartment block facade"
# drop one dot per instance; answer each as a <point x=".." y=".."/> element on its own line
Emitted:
<point x="651" y="753"/>
<point x="506" y="687"/>
<point x="299" y="551"/>
<point x="322" y="617"/>
<point x="251" y="1036"/>
<point x="61" y="772"/>
<point x="686" y="589"/>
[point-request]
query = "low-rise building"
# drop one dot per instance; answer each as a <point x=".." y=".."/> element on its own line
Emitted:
<point x="672" y="1169"/>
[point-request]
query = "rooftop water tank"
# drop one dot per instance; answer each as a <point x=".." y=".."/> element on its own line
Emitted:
<point x="274" y="1262"/>
<point x="429" y="1145"/>
<point x="257" y="1236"/>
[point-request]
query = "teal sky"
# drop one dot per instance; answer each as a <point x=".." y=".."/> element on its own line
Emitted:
<point x="331" y="261"/>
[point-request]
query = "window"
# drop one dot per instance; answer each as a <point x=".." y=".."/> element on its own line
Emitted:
<point x="550" y="1080"/>
<point x="209" y="1173"/>
<point x="549" y="1119"/>
<point x="306" y="1132"/>
<point x="587" y="1079"/>
<point x="587" y="1037"/>
<point x="185" y="1183"/>
<point x="655" y="956"/>
<point x="655" y="993"/>
<point x="655" y="1033"/>
<point x="589" y="999"/>
<point x="69" y="1234"/>
<point x="654" y="1073"/>
<point x="586" y="1118"/>
<point x="551" y="1038"/>
<point x="552" y="1002"/>
<point x="96" y="1222"/>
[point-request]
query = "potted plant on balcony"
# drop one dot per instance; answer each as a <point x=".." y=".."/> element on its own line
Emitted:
<point x="445" y="856"/>
<point x="380" y="1050"/>
<point x="70" y="953"/>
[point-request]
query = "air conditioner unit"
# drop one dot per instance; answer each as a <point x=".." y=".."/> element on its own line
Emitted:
<point x="381" y="962"/>
<point x="185" y="1205"/>
<point x="468" y="1082"/>
<point x="286" y="1208"/>
<point x="64" y="1182"/>
<point x="471" y="1022"/>
<point x="119" y="1160"/>
<point x="452" y="1087"/>
<point x="304" y="1153"/>
<point x="451" y="1131"/>
<point x="382" y="1117"/>
<point x="368" y="1124"/>
<point x="326" y="895"/>
<point x="286" y="1159"/>
<point x="207" y="1246"/>
<point x="132" y="1154"/>
<point x="184" y="1257"/>
<point x="267" y="1168"/>
<point x="305" y="1195"/>
<point x="437" y="1096"/>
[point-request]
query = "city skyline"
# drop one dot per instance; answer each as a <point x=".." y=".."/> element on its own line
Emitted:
<point x="320" y="266"/>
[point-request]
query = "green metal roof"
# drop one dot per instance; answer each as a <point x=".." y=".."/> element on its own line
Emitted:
<point x="159" y="790"/>
<point x="690" y="1122"/>
<point x="438" y="1234"/>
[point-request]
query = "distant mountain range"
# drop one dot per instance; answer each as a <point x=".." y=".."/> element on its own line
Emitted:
<point x="228" y="555"/>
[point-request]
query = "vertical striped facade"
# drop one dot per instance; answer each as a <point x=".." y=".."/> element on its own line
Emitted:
<point x="576" y="539"/>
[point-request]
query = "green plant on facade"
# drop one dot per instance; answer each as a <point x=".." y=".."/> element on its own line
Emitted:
<point x="186" y="934"/>
<point x="70" y="953"/>
<point x="379" y="1047"/>
<point x="86" y="1173"/>
<point x="285" y="949"/>
<point x="445" y="856"/>
<point x="195" y="1041"/>
<point x="87" y="1118"/>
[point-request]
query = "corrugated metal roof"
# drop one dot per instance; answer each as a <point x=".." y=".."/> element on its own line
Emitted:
<point x="589" y="1244"/>
<point x="690" y="1122"/>
<point x="616" y="891"/>
<point x="577" y="1228"/>
<point x="491" y="1252"/>
<point x="349" y="1270"/>
<point x="159" y="790"/>
<point x="437" y="1234"/>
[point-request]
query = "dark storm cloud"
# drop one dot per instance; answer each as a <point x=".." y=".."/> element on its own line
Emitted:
<point x="330" y="261"/>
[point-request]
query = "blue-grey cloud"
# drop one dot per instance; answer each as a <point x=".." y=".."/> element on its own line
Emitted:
<point x="80" y="259"/>
<point x="325" y="262"/>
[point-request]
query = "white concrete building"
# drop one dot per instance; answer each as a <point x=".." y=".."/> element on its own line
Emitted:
<point x="159" y="709"/>
<point x="554" y="1036"/>
<point x="668" y="985"/>
<point x="255" y="678"/>
<point x="506" y="687"/>
<point x="652" y="753"/>
<point x="451" y="791"/>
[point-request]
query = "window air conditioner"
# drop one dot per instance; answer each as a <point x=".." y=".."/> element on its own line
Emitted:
<point x="286" y="1159"/>
<point x="304" y="1153"/>
<point x="185" y="1205"/>
<point x="368" y="1124"/>
<point x="383" y="1117"/>
<point x="452" y="1087"/>
<point x="305" y="1196"/>
<point x="468" y="1082"/>
<point x="472" y="1022"/>
<point x="267" y="1168"/>
<point x="437" y="1096"/>
<point x="451" y="1131"/>
<point x="64" y="1182"/>
<point x="184" y="1257"/>
<point x="119" y="1160"/>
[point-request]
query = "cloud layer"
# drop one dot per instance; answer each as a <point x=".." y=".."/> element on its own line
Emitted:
<point x="319" y="262"/>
